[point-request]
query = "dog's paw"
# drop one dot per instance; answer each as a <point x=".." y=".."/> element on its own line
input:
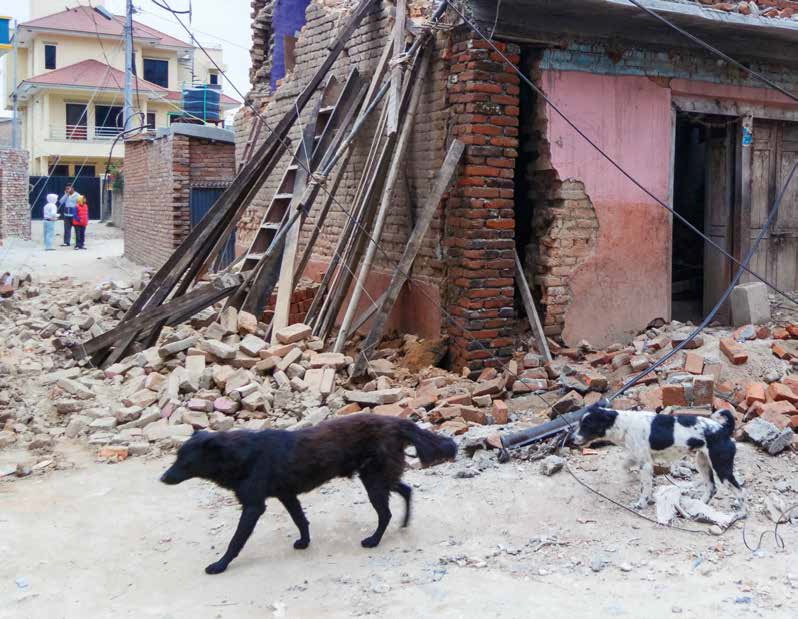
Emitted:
<point x="301" y="544"/>
<point x="370" y="542"/>
<point x="639" y="504"/>
<point x="216" y="568"/>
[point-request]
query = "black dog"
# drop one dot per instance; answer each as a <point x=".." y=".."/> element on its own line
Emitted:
<point x="281" y="464"/>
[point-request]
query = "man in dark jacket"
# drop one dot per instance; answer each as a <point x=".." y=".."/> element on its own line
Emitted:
<point x="67" y="204"/>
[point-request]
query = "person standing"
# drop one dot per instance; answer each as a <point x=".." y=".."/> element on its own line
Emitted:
<point x="49" y="217"/>
<point x="68" y="202"/>
<point x="80" y="222"/>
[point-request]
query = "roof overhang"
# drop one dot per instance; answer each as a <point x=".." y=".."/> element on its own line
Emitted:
<point x="27" y="89"/>
<point x="26" y="32"/>
<point x="742" y="36"/>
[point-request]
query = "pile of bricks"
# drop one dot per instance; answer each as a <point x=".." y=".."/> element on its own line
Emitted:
<point x="779" y="9"/>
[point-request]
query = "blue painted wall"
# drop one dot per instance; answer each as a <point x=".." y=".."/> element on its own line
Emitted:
<point x="288" y="17"/>
<point x="596" y="57"/>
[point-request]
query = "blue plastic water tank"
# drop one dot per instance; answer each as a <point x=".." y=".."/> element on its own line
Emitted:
<point x="202" y="102"/>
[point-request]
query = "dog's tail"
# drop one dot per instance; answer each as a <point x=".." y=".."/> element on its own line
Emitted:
<point x="725" y="418"/>
<point x="431" y="448"/>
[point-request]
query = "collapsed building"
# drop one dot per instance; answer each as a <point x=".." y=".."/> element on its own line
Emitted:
<point x="601" y="257"/>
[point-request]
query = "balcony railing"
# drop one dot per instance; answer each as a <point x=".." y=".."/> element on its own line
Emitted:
<point x="81" y="133"/>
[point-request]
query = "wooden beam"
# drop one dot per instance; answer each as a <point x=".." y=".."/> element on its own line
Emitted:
<point x="531" y="311"/>
<point x="408" y="118"/>
<point x="398" y="38"/>
<point x="444" y="178"/>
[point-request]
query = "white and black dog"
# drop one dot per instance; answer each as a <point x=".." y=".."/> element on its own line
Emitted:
<point x="652" y="439"/>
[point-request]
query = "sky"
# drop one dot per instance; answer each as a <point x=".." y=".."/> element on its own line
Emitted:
<point x="224" y="23"/>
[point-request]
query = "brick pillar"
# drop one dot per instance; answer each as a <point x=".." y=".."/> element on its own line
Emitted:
<point x="480" y="222"/>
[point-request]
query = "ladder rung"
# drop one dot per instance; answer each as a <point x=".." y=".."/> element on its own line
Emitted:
<point x="254" y="257"/>
<point x="283" y="196"/>
<point x="327" y="109"/>
<point x="292" y="168"/>
<point x="270" y="225"/>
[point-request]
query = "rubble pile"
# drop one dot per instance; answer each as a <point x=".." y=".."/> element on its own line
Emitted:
<point x="220" y="372"/>
<point x="776" y="9"/>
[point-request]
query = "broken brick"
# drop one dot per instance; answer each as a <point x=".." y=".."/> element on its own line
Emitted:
<point x="792" y="329"/>
<point x="651" y="399"/>
<point x="777" y="392"/>
<point x="733" y="351"/>
<point x="350" y="408"/>
<point x="693" y="363"/>
<point x="755" y="392"/>
<point x="780" y="333"/>
<point x="703" y="390"/>
<point x="473" y="415"/>
<point x="491" y="387"/>
<point x="673" y="395"/>
<point x="500" y="412"/>
<point x="487" y="374"/>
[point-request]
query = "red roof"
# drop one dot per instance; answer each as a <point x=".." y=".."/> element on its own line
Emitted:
<point x="94" y="74"/>
<point x="84" y="19"/>
<point x="91" y="74"/>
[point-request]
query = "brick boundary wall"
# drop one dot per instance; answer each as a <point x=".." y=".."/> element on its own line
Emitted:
<point x="480" y="216"/>
<point x="159" y="173"/>
<point x="15" y="212"/>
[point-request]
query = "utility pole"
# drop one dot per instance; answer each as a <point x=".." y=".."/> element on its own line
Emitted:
<point x="14" y="116"/>
<point x="127" y="112"/>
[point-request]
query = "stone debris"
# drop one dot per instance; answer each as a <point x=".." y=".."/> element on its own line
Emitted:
<point x="219" y="372"/>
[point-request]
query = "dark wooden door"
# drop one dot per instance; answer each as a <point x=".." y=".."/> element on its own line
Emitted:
<point x="718" y="204"/>
<point x="775" y="150"/>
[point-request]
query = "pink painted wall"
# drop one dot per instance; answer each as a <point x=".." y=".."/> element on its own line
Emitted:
<point x="626" y="282"/>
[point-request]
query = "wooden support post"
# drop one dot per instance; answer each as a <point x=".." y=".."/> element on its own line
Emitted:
<point x="442" y="182"/>
<point x="531" y="311"/>
<point x="398" y="37"/>
<point x="408" y="118"/>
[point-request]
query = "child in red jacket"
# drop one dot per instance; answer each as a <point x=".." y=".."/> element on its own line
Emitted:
<point x="80" y="221"/>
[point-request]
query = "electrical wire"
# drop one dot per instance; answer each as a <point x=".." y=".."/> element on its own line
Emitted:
<point x="714" y="50"/>
<point x="606" y="156"/>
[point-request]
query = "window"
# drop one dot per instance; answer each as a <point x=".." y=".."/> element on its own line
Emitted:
<point x="107" y="120"/>
<point x="75" y="121"/>
<point x="150" y="120"/>
<point x="157" y="71"/>
<point x="213" y="78"/>
<point x="49" y="56"/>
<point x="86" y="170"/>
<point x="59" y="170"/>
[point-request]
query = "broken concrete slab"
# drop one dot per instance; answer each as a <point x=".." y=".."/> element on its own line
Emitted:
<point x="750" y="304"/>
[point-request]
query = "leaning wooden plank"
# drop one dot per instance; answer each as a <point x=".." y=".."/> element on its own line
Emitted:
<point x="444" y="178"/>
<point x="368" y="313"/>
<point x="315" y="312"/>
<point x="285" y="282"/>
<point x="398" y="38"/>
<point x="361" y="233"/>
<point x="408" y="117"/>
<point x="196" y="300"/>
<point x="216" y="228"/>
<point x="531" y="312"/>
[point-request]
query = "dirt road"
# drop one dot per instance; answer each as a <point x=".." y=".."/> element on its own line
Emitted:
<point x="110" y="541"/>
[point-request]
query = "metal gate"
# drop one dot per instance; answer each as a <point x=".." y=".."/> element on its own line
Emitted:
<point x="40" y="186"/>
<point x="201" y="199"/>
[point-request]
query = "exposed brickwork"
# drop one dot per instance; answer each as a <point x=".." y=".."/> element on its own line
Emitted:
<point x="159" y="174"/>
<point x="564" y="223"/>
<point x="480" y="223"/>
<point x="425" y="151"/>
<point x="301" y="299"/>
<point x="260" y="52"/>
<point x="14" y="208"/>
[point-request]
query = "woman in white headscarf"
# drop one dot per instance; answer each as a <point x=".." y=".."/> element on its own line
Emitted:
<point x="50" y="216"/>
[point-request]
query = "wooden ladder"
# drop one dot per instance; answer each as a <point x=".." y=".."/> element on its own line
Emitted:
<point x="292" y="181"/>
<point x="252" y="140"/>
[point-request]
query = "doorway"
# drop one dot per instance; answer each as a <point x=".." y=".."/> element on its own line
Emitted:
<point x="703" y="193"/>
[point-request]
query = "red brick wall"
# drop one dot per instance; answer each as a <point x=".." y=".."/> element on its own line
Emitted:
<point x="158" y="176"/>
<point x="480" y="220"/>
